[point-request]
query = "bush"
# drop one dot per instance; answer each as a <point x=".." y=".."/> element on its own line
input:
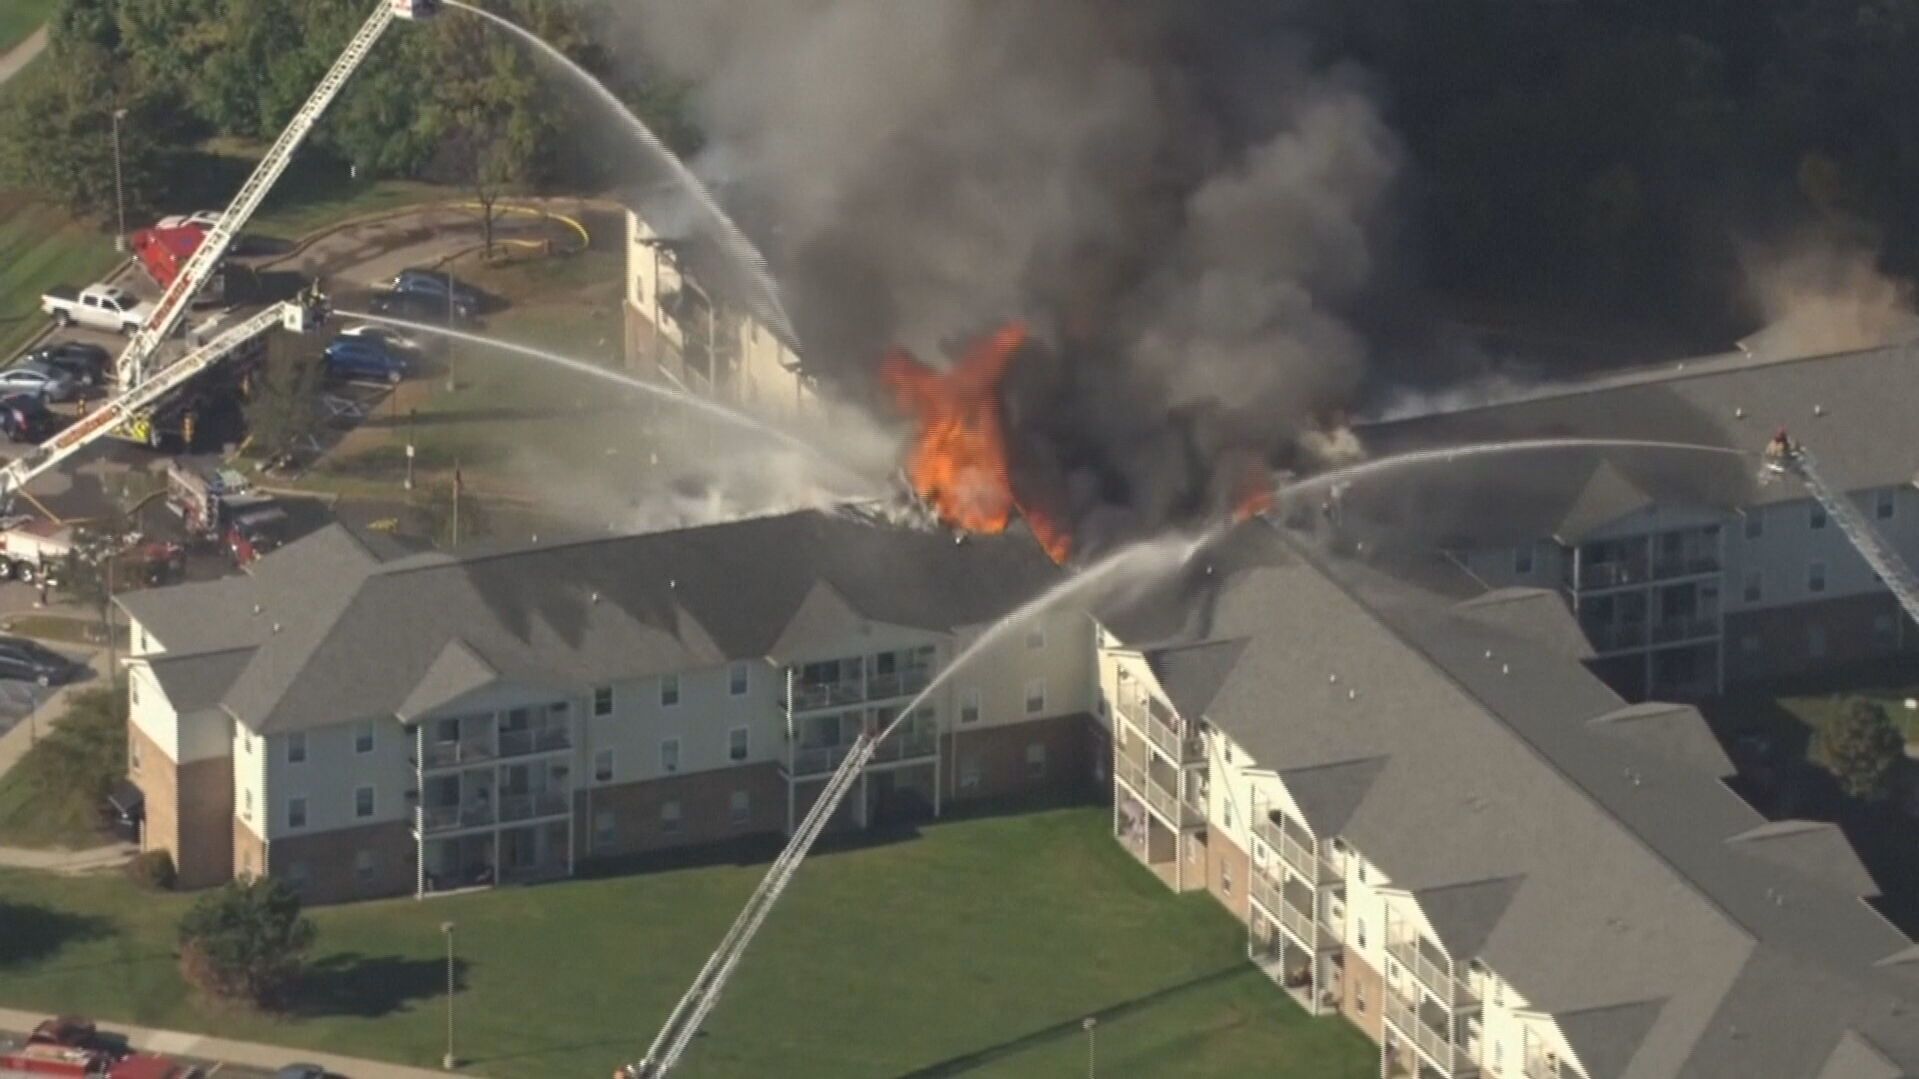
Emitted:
<point x="153" y="869"/>
<point x="1861" y="747"/>
<point x="245" y="942"/>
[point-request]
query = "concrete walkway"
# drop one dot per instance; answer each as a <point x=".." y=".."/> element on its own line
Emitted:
<point x="18" y="57"/>
<point x="250" y="1054"/>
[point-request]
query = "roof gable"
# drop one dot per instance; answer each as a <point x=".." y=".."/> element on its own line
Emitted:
<point x="1606" y="496"/>
<point x="1815" y="849"/>
<point x="1605" y="1038"/>
<point x="1329" y="794"/>
<point x="456" y="672"/>
<point x="1194" y="674"/>
<point x="1856" y="1058"/>
<point x="1677" y="732"/>
<point x="1463" y="915"/>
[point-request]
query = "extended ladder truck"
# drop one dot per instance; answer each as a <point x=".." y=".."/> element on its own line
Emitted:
<point x="1784" y="457"/>
<point x="145" y="378"/>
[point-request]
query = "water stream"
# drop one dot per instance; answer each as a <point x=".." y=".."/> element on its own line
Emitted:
<point x="724" y="232"/>
<point x="864" y="484"/>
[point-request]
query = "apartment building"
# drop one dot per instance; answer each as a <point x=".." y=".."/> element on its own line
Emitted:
<point x="362" y="727"/>
<point x="683" y="324"/>
<point x="1687" y="573"/>
<point x="1435" y="821"/>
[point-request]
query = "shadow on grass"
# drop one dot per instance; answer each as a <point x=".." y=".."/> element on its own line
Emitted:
<point x="371" y="986"/>
<point x="1071" y="1028"/>
<point x="29" y="933"/>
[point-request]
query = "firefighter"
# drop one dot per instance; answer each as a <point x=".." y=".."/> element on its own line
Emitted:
<point x="186" y="431"/>
<point x="1780" y="449"/>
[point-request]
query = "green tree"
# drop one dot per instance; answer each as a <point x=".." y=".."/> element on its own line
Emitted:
<point x="56" y="134"/>
<point x="246" y="942"/>
<point x="87" y="750"/>
<point x="280" y="408"/>
<point x="1861" y="747"/>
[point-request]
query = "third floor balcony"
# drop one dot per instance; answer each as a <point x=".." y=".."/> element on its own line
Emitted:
<point x="1431" y="968"/>
<point x="1180" y="812"/>
<point x="1298" y="849"/>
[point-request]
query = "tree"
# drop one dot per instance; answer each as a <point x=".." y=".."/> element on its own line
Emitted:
<point x="56" y="134"/>
<point x="87" y="575"/>
<point x="490" y="116"/>
<point x="280" y="410"/>
<point x="246" y="941"/>
<point x="1860" y="746"/>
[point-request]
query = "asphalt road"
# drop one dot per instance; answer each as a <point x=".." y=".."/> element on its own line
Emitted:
<point x="213" y="1069"/>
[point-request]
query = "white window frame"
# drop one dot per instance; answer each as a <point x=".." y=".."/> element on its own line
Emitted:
<point x="673" y="767"/>
<point x="602" y="701"/>
<point x="739" y="680"/>
<point x="1524" y="559"/>
<point x="365" y="730"/>
<point x="605" y="755"/>
<point x="969" y="702"/>
<point x="297" y="739"/>
<point x="1034" y="703"/>
<point x="739" y="743"/>
<point x="301" y="801"/>
<point x="672" y="816"/>
<point x="1816" y="582"/>
<point x="669" y="691"/>
<point x="372" y="802"/>
<point x="739" y="807"/>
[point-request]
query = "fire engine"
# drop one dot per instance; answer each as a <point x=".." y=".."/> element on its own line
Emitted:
<point x="165" y="251"/>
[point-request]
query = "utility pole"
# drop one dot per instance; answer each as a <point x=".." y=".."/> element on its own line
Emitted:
<point x="447" y="1062"/>
<point x="456" y="503"/>
<point x="1088" y="1026"/>
<point x="451" y="344"/>
<point x="411" y="415"/>
<point x="119" y="188"/>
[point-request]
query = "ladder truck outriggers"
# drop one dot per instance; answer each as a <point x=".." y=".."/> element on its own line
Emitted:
<point x="144" y="381"/>
<point x="1784" y="457"/>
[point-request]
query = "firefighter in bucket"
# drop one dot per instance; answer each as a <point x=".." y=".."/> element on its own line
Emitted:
<point x="1780" y="453"/>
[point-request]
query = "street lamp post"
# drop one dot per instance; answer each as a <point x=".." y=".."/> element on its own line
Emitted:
<point x="1088" y="1026"/>
<point x="119" y="187"/>
<point x="447" y="1062"/>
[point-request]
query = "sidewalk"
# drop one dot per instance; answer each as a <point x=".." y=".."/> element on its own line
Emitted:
<point x="16" y="59"/>
<point x="20" y="738"/>
<point x="250" y="1054"/>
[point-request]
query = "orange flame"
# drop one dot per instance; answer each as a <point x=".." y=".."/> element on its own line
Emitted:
<point x="960" y="461"/>
<point x="1256" y="494"/>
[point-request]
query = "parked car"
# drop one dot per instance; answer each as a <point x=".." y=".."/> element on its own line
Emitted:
<point x="302" y="1071"/>
<point x="103" y="307"/>
<point x="23" y="660"/>
<point x="256" y="532"/>
<point x="72" y="1031"/>
<point x="88" y="365"/>
<point x="24" y="417"/>
<point x="43" y="379"/>
<point x="391" y="338"/>
<point x="467" y="301"/>
<point x="363" y="358"/>
<point x="204" y="218"/>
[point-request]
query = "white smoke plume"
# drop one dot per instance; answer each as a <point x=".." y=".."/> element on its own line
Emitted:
<point x="1817" y="294"/>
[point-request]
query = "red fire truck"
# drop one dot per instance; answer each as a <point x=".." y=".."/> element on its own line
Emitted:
<point x="164" y="251"/>
<point x="36" y="1060"/>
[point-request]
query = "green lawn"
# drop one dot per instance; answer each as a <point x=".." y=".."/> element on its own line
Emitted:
<point x="52" y="797"/>
<point x="40" y="247"/>
<point x="19" y="18"/>
<point x="302" y="204"/>
<point x="974" y="948"/>
<point x="1809" y="700"/>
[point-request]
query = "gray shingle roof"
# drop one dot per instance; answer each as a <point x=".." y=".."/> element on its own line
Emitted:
<point x="1503" y="759"/>
<point x="1814" y="849"/>
<point x="1329" y="793"/>
<point x="1605" y="497"/>
<point x="1675" y="731"/>
<point x="1192" y="674"/>
<point x="196" y="682"/>
<point x="343" y="636"/>
<point x="1463" y="915"/>
<point x="1605" y="1039"/>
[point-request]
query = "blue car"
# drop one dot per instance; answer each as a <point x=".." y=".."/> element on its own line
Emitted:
<point x="444" y="290"/>
<point x="364" y="358"/>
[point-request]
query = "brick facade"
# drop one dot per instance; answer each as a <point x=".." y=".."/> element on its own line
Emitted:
<point x="1783" y="641"/>
<point x="249" y="851"/>
<point x="993" y="762"/>
<point x="326" y="866"/>
<point x="189" y="810"/>
<point x="705" y="799"/>
<point x="1362" y="996"/>
<point x="1228" y="874"/>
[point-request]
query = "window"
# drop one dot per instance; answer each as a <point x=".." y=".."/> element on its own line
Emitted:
<point x="738" y="677"/>
<point x="363" y="737"/>
<point x="669" y="755"/>
<point x="1035" y="696"/>
<point x="297" y="875"/>
<point x="603" y="766"/>
<point x="737" y="744"/>
<point x="246" y="805"/>
<point x="1499" y="1055"/>
<point x="740" y="807"/>
<point x="1755" y="586"/>
<point x="670" y="816"/>
<point x="246" y="743"/>
<point x="1225" y="879"/>
<point x="133" y="690"/>
<point x="1816" y="642"/>
<point x="969" y="705"/>
<point x="1036" y="760"/>
<point x="133" y="754"/>
<point x="363" y="802"/>
<point x="1226" y="813"/>
<point x="296" y="747"/>
<point x="669" y="690"/>
<point x="296" y="812"/>
<point x="1362" y="872"/>
<point x="1359" y="932"/>
<point x="603" y="701"/>
<point x="969" y="773"/>
<point x="363" y="866"/>
<point x="1755" y="522"/>
<point x="1816" y="516"/>
<point x="1816" y="577"/>
<point x="1523" y="559"/>
<point x="1359" y="997"/>
<point x="1036" y="638"/>
<point x="1884" y="505"/>
<point x="1499" y="992"/>
<point x="603" y="829"/>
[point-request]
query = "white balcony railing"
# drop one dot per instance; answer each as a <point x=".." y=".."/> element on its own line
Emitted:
<point x="450" y="818"/>
<point x="1450" y="990"/>
<point x="1304" y="860"/>
<point x="522" y="743"/>
<point x="519" y="807"/>
<point x="818" y="760"/>
<point x="1166" y="803"/>
<point x="1403" y="1015"/>
<point x="457" y="754"/>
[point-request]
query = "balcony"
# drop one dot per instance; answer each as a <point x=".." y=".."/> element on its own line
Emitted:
<point x="817" y="760"/>
<point x="1615" y="636"/>
<point x="1674" y="630"/>
<point x="908" y="745"/>
<point x="451" y="818"/>
<point x="903" y="683"/>
<point x="1160" y="728"/>
<point x="1692" y="564"/>
<point x="523" y="743"/>
<point x="458" y="754"/>
<point x="1164" y="802"/>
<point x="518" y="807"/>
<point x="1303" y="861"/>
<point x="1547" y="1066"/>
<point x="1595" y="575"/>
<point x="1451" y="1059"/>
<point x="1432" y="973"/>
<point x="806" y="698"/>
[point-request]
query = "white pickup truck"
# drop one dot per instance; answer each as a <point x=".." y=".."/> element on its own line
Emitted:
<point x="101" y="307"/>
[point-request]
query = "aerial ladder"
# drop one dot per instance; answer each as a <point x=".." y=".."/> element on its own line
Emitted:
<point x="1783" y="456"/>
<point x="143" y="384"/>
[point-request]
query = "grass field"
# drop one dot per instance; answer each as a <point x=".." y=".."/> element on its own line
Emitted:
<point x="40" y="247"/>
<point x="51" y="798"/>
<point x="974" y="948"/>
<point x="19" y="18"/>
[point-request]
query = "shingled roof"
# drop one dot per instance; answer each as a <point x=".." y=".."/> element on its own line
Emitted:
<point x="339" y="634"/>
<point x="1599" y="863"/>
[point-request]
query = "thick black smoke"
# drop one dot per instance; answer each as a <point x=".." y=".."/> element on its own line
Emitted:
<point x="1178" y="196"/>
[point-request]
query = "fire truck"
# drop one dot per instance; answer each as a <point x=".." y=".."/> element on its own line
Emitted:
<point x="39" y="1060"/>
<point x="164" y="252"/>
<point x="33" y="550"/>
<point x="219" y="505"/>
